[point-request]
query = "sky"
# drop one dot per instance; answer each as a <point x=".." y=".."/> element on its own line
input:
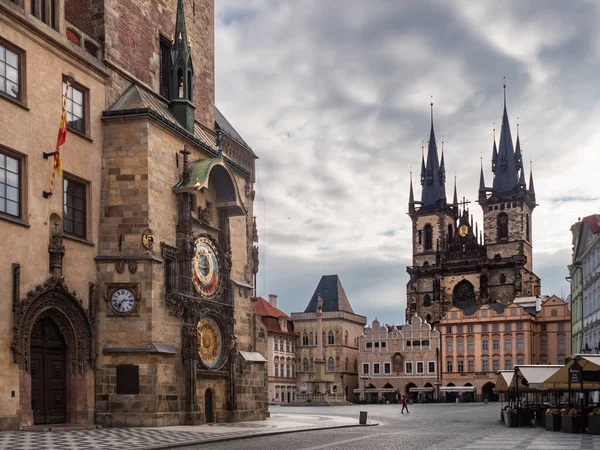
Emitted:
<point x="333" y="96"/>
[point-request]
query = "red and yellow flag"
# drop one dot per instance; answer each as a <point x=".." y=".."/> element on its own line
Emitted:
<point x="62" y="131"/>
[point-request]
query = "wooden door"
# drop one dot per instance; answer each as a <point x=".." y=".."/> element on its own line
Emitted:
<point x="208" y="406"/>
<point x="48" y="373"/>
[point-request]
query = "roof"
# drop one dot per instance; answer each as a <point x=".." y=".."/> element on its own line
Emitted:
<point x="138" y="98"/>
<point x="593" y="222"/>
<point x="224" y="125"/>
<point x="252" y="356"/>
<point x="332" y="293"/>
<point x="265" y="309"/>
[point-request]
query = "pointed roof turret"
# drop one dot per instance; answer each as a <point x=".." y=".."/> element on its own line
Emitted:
<point x="455" y="199"/>
<point x="494" y="154"/>
<point x="411" y="197"/>
<point x="506" y="176"/>
<point x="181" y="45"/>
<point x="531" y="188"/>
<point x="433" y="182"/>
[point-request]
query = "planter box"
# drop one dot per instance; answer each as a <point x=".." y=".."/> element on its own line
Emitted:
<point x="594" y="425"/>
<point x="572" y="424"/>
<point x="512" y="420"/>
<point x="553" y="422"/>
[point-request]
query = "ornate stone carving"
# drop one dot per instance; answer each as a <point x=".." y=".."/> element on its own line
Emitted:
<point x="148" y="241"/>
<point x="120" y="266"/>
<point x="56" y="300"/>
<point x="255" y="260"/>
<point x="132" y="265"/>
<point x="254" y="230"/>
<point x="16" y="269"/>
<point x="57" y="251"/>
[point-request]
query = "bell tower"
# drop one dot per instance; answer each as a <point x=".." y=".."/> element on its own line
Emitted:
<point x="181" y="80"/>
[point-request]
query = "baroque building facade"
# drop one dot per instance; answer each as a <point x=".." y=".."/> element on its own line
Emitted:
<point x="454" y="262"/>
<point x="140" y="300"/>
<point x="327" y="351"/>
<point x="395" y="361"/>
<point x="480" y="340"/>
<point x="281" y="350"/>
<point x="584" y="273"/>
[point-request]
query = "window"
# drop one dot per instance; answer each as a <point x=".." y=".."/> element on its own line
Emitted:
<point x="448" y="330"/>
<point x="408" y="368"/>
<point x="75" y="107"/>
<point x="460" y="346"/>
<point x="544" y="327"/>
<point x="365" y="369"/>
<point x="74" y="194"/>
<point x="293" y="371"/>
<point x="10" y="71"/>
<point x="287" y="346"/>
<point x="420" y="367"/>
<point x="527" y="227"/>
<point x="459" y="329"/>
<point x="10" y="185"/>
<point x="502" y="278"/>
<point x="304" y="339"/>
<point x="519" y="326"/>
<point x="554" y="313"/>
<point x="513" y="312"/>
<point x="520" y="362"/>
<point x="508" y="344"/>
<point x="496" y="344"/>
<point x="484" y="344"/>
<point x="508" y="364"/>
<point x="544" y="344"/>
<point x="330" y="365"/>
<point x="355" y="365"/>
<point x="165" y="66"/>
<point x="428" y="237"/>
<point x="502" y="222"/>
<point x="561" y="344"/>
<point x="375" y="368"/>
<point x="495" y="327"/>
<point x="470" y="329"/>
<point x="484" y="328"/>
<point x="449" y="365"/>
<point x="276" y="369"/>
<point x="276" y="345"/>
<point x="431" y="367"/>
<point x="508" y="326"/>
<point x="471" y="365"/>
<point x="427" y="300"/>
<point x="387" y="367"/>
<point x="485" y="365"/>
<point x="461" y="365"/>
<point x="471" y="345"/>
<point x="448" y="346"/>
<point x="496" y="365"/>
<point x="561" y="327"/>
<point x="520" y="344"/>
<point x="305" y="365"/>
<point x="330" y="339"/>
<point x="483" y="313"/>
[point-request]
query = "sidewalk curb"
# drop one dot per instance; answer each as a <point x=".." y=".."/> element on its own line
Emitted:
<point x="250" y="436"/>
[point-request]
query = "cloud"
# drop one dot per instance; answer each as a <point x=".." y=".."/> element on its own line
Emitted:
<point x="334" y="98"/>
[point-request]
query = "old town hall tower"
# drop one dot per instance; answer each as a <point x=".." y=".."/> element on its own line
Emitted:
<point x="455" y="263"/>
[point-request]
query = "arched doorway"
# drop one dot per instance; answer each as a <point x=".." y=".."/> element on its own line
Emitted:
<point x="208" y="406"/>
<point x="468" y="396"/>
<point x="48" y="373"/>
<point x="412" y="396"/>
<point x="451" y="396"/>
<point x="463" y="294"/>
<point x="488" y="392"/>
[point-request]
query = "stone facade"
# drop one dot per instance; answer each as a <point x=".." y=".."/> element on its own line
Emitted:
<point x="154" y="191"/>
<point x="479" y="341"/>
<point x="398" y="360"/>
<point x="340" y="331"/>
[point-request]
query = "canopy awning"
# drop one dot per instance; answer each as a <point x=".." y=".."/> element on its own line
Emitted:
<point x="423" y="389"/>
<point x="504" y="380"/>
<point x="457" y="389"/>
<point x="559" y="381"/>
<point x="535" y="376"/>
<point x="374" y="390"/>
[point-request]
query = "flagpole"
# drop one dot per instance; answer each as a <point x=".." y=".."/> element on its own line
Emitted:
<point x="57" y="165"/>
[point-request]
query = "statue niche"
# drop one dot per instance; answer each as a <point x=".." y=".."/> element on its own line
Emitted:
<point x="397" y="362"/>
<point x="463" y="295"/>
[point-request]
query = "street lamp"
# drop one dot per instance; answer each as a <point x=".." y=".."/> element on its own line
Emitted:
<point x="365" y="378"/>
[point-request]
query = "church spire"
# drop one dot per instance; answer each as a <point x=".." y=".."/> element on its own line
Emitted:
<point x="411" y="197"/>
<point x="531" y="188"/>
<point x="433" y="182"/>
<point x="482" y="190"/>
<point x="182" y="74"/>
<point x="455" y="199"/>
<point x="506" y="171"/>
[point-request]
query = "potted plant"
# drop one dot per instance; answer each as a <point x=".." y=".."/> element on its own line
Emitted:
<point x="553" y="419"/>
<point x="594" y="421"/>
<point x="572" y="420"/>
<point x="512" y="417"/>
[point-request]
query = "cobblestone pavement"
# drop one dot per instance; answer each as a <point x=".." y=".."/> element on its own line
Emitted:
<point x="147" y="438"/>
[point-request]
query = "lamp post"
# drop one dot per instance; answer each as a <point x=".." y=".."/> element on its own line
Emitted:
<point x="586" y="349"/>
<point x="365" y="378"/>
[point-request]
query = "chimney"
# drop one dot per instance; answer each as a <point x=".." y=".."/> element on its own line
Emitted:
<point x="273" y="300"/>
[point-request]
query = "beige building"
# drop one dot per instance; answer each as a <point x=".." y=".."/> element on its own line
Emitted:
<point x="479" y="341"/>
<point x="341" y="328"/>
<point x="398" y="360"/>
<point x="131" y="286"/>
<point x="281" y="350"/>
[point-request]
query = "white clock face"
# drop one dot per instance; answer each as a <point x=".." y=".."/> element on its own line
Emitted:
<point x="122" y="301"/>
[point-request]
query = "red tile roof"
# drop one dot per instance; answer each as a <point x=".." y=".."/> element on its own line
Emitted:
<point x="593" y="222"/>
<point x="265" y="309"/>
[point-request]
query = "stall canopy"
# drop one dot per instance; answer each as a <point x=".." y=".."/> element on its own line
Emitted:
<point x="457" y="389"/>
<point x="504" y="380"/>
<point x="532" y="378"/>
<point x="590" y="365"/>
<point x="423" y="389"/>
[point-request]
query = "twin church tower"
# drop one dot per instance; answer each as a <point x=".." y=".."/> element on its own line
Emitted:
<point x="455" y="263"/>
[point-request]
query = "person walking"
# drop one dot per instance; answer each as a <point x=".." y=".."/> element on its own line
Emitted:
<point x="404" y="403"/>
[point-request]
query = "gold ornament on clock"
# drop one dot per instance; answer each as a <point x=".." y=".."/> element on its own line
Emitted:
<point x="210" y="342"/>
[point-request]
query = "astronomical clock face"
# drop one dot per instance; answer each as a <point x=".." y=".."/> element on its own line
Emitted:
<point x="463" y="230"/>
<point x="206" y="272"/>
<point x="210" y="342"/>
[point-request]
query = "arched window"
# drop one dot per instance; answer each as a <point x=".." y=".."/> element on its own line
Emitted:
<point x="305" y="365"/>
<point x="311" y="339"/>
<point x="450" y="233"/>
<point x="428" y="318"/>
<point x="276" y="369"/>
<point x="527" y="227"/>
<point x="304" y="339"/>
<point x="346" y="338"/>
<point x="502" y="278"/>
<point x="427" y="300"/>
<point x="463" y="294"/>
<point x="330" y="338"/>
<point x="428" y="237"/>
<point x="337" y="363"/>
<point x="355" y="366"/>
<point x="330" y="365"/>
<point x="189" y="85"/>
<point x="276" y="344"/>
<point x="346" y="365"/>
<point x="502" y="226"/>
<point x="337" y="337"/>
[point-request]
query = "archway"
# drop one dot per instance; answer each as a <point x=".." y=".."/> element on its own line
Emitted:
<point x="488" y="392"/>
<point x="208" y="406"/>
<point x="451" y="396"/>
<point x="468" y="396"/>
<point x="463" y="294"/>
<point x="412" y="396"/>
<point x="48" y="373"/>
